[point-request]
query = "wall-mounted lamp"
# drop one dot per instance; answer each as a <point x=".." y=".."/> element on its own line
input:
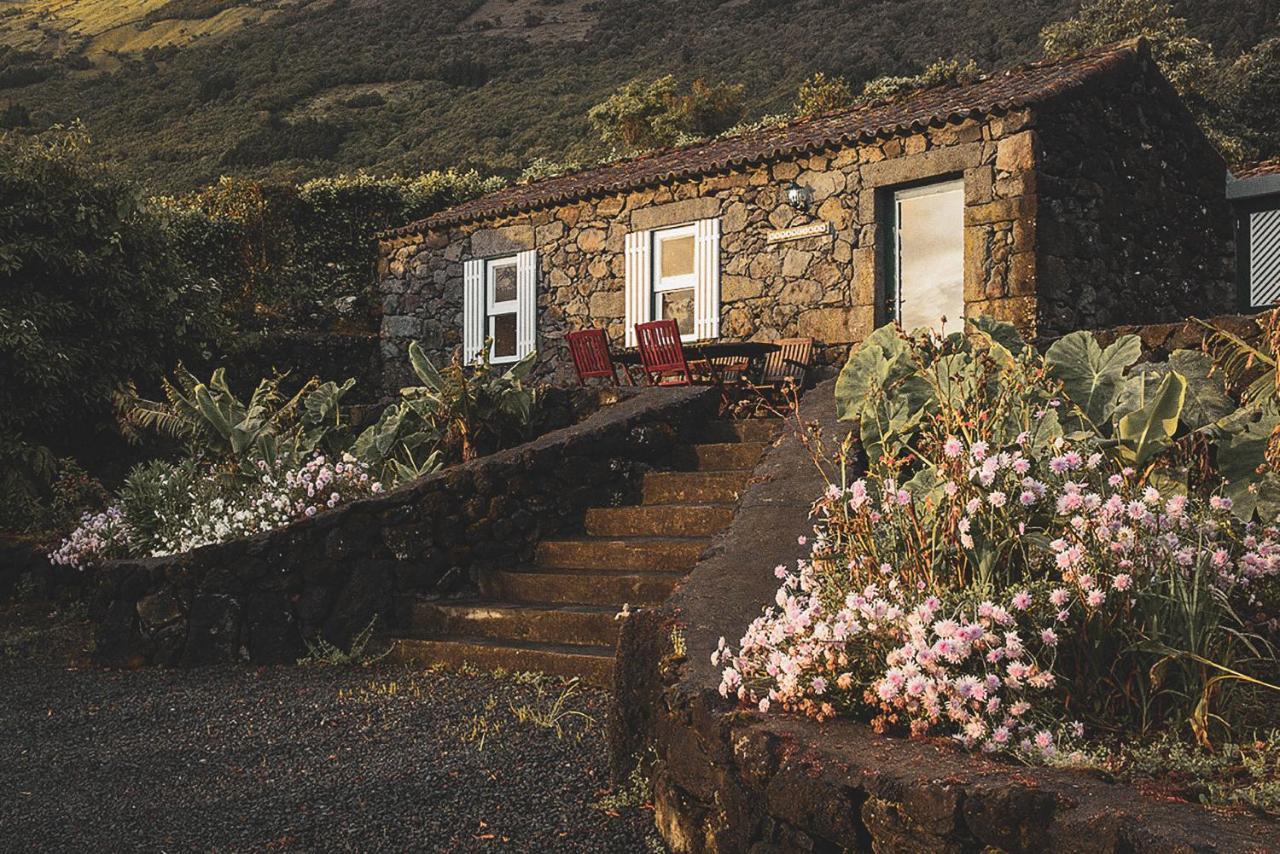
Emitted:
<point x="799" y="197"/>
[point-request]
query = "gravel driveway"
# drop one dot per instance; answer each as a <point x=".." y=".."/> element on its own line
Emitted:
<point x="329" y="758"/>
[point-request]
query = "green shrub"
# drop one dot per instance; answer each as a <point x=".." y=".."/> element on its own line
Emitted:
<point x="640" y="116"/>
<point x="822" y="94"/>
<point x="91" y="295"/>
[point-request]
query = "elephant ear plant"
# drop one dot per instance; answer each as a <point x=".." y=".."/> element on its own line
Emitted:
<point x="1041" y="547"/>
<point x="474" y="409"/>
<point x="220" y="428"/>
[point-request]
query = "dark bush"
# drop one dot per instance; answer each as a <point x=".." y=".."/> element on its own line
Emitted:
<point x="280" y="139"/>
<point x="15" y="116"/>
<point x="91" y="295"/>
<point x="365" y="99"/>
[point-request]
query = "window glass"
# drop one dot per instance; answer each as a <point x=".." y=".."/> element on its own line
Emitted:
<point x="930" y="256"/>
<point x="677" y="306"/>
<point x="504" y="282"/>
<point x="503" y="331"/>
<point x="677" y="256"/>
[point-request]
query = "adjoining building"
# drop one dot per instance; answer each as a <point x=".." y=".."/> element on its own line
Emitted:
<point x="1254" y="191"/>
<point x="1061" y="195"/>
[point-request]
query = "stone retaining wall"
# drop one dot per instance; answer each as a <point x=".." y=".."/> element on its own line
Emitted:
<point x="729" y="780"/>
<point x="257" y="599"/>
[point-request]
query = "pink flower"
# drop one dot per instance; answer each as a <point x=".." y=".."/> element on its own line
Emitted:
<point x="1022" y="600"/>
<point x="952" y="447"/>
<point x="1123" y="581"/>
<point x="997" y="499"/>
<point x="1049" y="637"/>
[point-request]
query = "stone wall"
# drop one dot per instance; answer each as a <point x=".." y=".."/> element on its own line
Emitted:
<point x="257" y="599"/>
<point x="733" y="780"/>
<point x="1134" y="224"/>
<point x="829" y="287"/>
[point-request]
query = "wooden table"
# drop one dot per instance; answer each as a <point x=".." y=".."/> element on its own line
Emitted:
<point x="705" y="351"/>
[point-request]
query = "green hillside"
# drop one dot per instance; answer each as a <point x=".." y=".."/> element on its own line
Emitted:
<point x="182" y="91"/>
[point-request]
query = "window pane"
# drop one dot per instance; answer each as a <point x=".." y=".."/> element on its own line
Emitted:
<point x="503" y="329"/>
<point x="677" y="306"/>
<point x="931" y="258"/>
<point x="504" y="282"/>
<point x="677" y="257"/>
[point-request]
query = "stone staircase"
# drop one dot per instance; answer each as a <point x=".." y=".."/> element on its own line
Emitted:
<point x="558" y="615"/>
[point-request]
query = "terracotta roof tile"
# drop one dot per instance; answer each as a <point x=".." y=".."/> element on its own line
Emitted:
<point x="1254" y="170"/>
<point x="993" y="95"/>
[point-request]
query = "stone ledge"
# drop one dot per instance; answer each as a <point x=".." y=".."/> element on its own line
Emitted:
<point x="727" y="780"/>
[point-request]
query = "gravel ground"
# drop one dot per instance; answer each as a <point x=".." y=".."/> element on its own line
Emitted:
<point x="328" y="758"/>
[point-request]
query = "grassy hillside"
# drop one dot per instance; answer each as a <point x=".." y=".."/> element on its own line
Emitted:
<point x="181" y="91"/>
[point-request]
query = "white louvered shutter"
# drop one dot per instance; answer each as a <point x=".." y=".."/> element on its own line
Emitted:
<point x="472" y="310"/>
<point x="1264" y="258"/>
<point x="706" y="290"/>
<point x="638" y="287"/>
<point x="526" y="302"/>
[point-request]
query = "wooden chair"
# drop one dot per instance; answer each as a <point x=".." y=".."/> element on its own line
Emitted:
<point x="791" y="361"/>
<point x="661" y="354"/>
<point x="590" y="351"/>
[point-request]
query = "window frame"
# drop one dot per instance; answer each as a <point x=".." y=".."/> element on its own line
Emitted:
<point x="893" y="244"/>
<point x="1245" y="209"/>
<point x="494" y="307"/>
<point x="686" y="282"/>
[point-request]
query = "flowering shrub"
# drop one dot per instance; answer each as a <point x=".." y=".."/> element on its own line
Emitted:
<point x="995" y="580"/>
<point x="171" y="509"/>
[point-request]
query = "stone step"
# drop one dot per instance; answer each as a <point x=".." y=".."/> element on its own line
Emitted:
<point x="694" y="487"/>
<point x="535" y="622"/>
<point x="663" y="520"/>
<point x="635" y="553"/>
<point x="593" y="664"/>
<point x="575" y="587"/>
<point x="743" y="430"/>
<point x="729" y="456"/>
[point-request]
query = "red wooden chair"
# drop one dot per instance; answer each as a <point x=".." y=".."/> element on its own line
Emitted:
<point x="661" y="355"/>
<point x="590" y="351"/>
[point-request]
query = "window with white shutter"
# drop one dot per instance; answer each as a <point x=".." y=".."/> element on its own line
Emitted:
<point x="674" y="274"/>
<point x="638" y="265"/>
<point x="473" y="325"/>
<point x="1264" y="258"/>
<point x="500" y="297"/>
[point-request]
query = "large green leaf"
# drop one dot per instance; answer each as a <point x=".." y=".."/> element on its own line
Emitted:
<point x="1146" y="432"/>
<point x="1206" y="401"/>
<point x="1091" y="376"/>
<point x="423" y="367"/>
<point x="999" y="331"/>
<point x="321" y="405"/>
<point x="1242" y="462"/>
<point x="862" y="376"/>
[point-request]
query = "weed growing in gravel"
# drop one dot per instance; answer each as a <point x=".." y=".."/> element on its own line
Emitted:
<point x="380" y="690"/>
<point x="633" y="793"/>
<point x="321" y="653"/>
<point x="527" y="677"/>
<point x="482" y="726"/>
<point x="554" y="716"/>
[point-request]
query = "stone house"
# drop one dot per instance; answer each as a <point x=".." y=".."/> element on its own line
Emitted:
<point x="1061" y="195"/>
<point x="1254" y="191"/>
